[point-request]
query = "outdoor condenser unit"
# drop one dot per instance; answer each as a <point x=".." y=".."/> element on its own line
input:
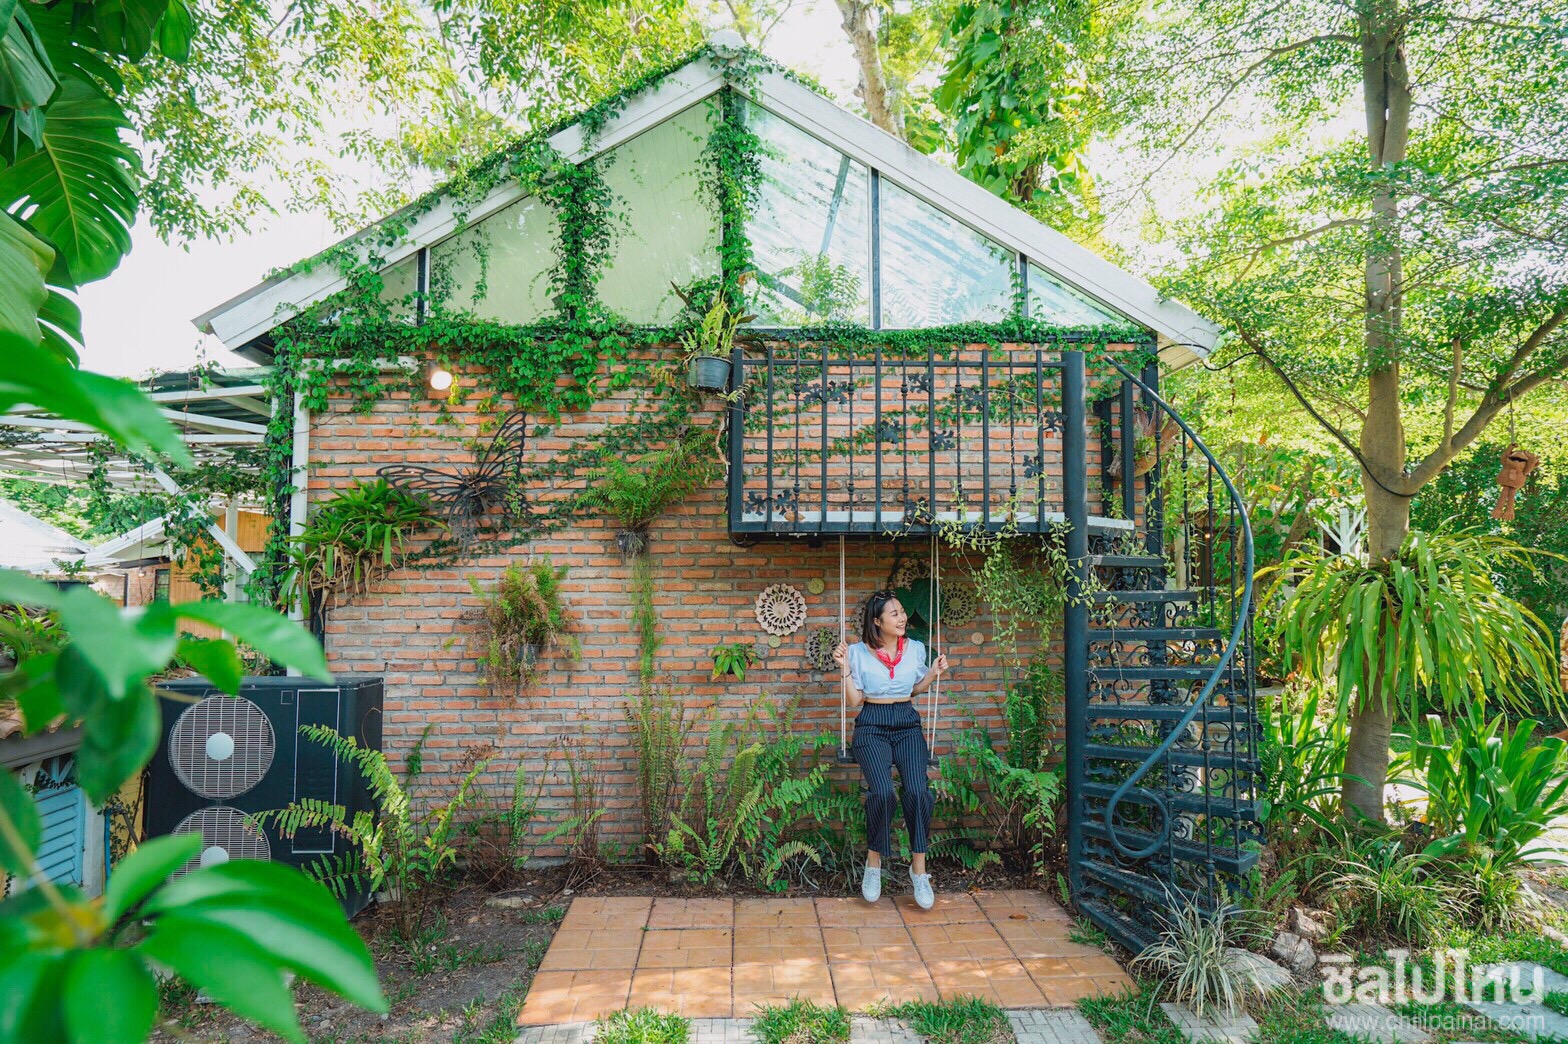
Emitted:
<point x="223" y="758"/>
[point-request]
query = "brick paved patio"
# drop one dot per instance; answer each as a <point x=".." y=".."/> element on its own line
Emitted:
<point x="719" y="958"/>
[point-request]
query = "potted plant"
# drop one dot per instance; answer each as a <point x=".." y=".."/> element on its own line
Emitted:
<point x="521" y="619"/>
<point x="709" y="346"/>
<point x="636" y="492"/>
<point x="732" y="660"/>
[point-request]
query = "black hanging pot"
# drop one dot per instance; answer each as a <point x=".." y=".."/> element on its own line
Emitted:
<point x="710" y="373"/>
<point x="632" y="542"/>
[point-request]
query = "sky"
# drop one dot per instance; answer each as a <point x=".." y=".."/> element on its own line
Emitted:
<point x="139" y="318"/>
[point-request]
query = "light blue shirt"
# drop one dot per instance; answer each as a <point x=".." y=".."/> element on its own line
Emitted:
<point x="870" y="674"/>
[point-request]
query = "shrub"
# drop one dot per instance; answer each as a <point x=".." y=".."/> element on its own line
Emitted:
<point x="1301" y="755"/>
<point x="521" y="619"/>
<point x="406" y="852"/>
<point x="1194" y="958"/>
<point x="1492" y="792"/>
<point x="354" y="537"/>
<point x="1382" y="890"/>
<point x="1016" y="805"/>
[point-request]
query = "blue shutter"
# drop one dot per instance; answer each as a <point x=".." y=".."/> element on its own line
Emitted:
<point x="63" y="810"/>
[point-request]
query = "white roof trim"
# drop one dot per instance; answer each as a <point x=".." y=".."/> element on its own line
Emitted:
<point x="112" y="551"/>
<point x="1184" y="335"/>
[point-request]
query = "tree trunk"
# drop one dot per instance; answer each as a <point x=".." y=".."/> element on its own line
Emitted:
<point x="861" y="20"/>
<point x="1386" y="99"/>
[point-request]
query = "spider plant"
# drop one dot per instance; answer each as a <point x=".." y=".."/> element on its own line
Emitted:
<point x="1195" y="956"/>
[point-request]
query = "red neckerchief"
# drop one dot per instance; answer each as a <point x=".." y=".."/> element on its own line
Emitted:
<point x="891" y="664"/>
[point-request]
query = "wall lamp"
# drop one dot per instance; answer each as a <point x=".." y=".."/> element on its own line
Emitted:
<point x="438" y="379"/>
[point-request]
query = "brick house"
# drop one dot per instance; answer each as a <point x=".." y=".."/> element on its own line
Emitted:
<point x="835" y="445"/>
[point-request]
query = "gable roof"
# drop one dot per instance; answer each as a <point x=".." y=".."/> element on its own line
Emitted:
<point x="1183" y="335"/>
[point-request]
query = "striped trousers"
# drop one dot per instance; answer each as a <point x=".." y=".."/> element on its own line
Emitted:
<point x="888" y="734"/>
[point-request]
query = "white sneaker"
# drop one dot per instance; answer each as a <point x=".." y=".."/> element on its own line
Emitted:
<point x="924" y="896"/>
<point x="871" y="884"/>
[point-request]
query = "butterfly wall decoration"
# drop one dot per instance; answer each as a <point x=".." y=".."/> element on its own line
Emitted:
<point x="463" y="496"/>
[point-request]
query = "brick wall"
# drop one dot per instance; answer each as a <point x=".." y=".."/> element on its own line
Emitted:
<point x="414" y="626"/>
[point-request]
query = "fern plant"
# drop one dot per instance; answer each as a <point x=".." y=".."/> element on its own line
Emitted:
<point x="521" y="619"/>
<point x="634" y="493"/>
<point x="394" y="848"/>
<point x="659" y="731"/>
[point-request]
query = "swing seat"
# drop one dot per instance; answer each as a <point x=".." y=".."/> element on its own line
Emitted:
<point x="844" y="757"/>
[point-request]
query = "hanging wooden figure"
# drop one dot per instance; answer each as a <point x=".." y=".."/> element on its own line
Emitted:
<point x="1517" y="467"/>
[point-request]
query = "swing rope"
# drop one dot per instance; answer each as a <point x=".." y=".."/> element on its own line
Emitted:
<point x="843" y="696"/>
<point x="933" y="616"/>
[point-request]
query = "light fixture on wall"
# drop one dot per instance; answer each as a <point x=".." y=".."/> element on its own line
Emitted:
<point x="438" y="379"/>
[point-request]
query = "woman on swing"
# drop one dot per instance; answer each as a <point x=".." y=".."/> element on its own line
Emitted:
<point x="881" y="675"/>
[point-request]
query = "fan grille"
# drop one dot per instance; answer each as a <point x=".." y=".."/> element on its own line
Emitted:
<point x="226" y="833"/>
<point x="222" y="747"/>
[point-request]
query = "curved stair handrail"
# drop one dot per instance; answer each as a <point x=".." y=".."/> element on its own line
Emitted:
<point x="1238" y="631"/>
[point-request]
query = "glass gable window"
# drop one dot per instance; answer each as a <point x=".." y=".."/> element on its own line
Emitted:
<point x="1052" y="302"/>
<point x="937" y="270"/>
<point x="398" y="284"/>
<point x="811" y="230"/>
<point x="498" y="269"/>
<point x="669" y="232"/>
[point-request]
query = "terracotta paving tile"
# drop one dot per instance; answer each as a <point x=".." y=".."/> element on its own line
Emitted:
<point x="1072" y="988"/>
<point x="779" y="983"/>
<point x="697" y="993"/>
<point x="950" y="908"/>
<point x="775" y="913"/>
<point x="618" y="912"/>
<point x="953" y="941"/>
<point x="692" y="913"/>
<point x="1048" y="967"/>
<point x="778" y="954"/>
<point x="859" y="986"/>
<point x="687" y="948"/>
<point x="860" y="945"/>
<point x="574" y="958"/>
<point x="1098" y="965"/>
<point x="1004" y="981"/>
<point x="751" y="935"/>
<point x="1004" y="902"/>
<point x="574" y="996"/>
<point x="845" y="912"/>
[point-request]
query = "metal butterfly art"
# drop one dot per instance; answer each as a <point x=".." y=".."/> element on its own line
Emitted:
<point x="463" y="497"/>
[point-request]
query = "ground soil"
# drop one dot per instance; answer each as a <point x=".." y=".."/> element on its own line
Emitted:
<point x="468" y="976"/>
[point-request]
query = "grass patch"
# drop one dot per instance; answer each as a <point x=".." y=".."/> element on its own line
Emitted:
<point x="963" y="1020"/>
<point x="1131" y="1019"/>
<point x="451" y="957"/>
<point x="547" y="915"/>
<point x="642" y="1026"/>
<point x="1557" y="1002"/>
<point x="1087" y="933"/>
<point x="800" y="1022"/>
<point x="500" y="1028"/>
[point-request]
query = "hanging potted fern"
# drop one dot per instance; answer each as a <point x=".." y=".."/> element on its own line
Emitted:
<point x="634" y="493"/>
<point x="521" y="619"/>
<point x="709" y="347"/>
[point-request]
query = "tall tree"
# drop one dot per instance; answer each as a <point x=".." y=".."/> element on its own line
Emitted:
<point x="1386" y="227"/>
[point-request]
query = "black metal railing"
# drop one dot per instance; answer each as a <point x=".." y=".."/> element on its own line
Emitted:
<point x="825" y="440"/>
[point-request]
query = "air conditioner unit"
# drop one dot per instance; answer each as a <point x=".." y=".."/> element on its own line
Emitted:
<point x="224" y="758"/>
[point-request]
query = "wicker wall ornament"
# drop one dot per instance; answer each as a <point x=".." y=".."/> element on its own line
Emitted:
<point x="781" y="609"/>
<point x="911" y="569"/>
<point x="959" y="605"/>
<point x="819" y="648"/>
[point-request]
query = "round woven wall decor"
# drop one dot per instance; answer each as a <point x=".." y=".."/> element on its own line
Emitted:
<point x="911" y="569"/>
<point x="959" y="604"/>
<point x="781" y="609"/>
<point x="819" y="648"/>
<point x="816" y="585"/>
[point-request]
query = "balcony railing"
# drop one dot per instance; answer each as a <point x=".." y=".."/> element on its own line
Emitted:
<point x="826" y="440"/>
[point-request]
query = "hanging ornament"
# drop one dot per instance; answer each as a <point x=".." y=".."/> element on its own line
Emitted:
<point x="781" y="609"/>
<point x="774" y="641"/>
<point x="816" y="585"/>
<point x="959" y="604"/>
<point x="911" y="569"/>
<point x="819" y="649"/>
<point x="1517" y="466"/>
<point x="978" y="637"/>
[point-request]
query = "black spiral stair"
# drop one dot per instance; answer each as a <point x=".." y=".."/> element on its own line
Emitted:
<point x="1162" y="757"/>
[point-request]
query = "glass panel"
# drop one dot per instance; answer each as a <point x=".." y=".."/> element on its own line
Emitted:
<point x="669" y="232"/>
<point x="499" y="269"/>
<point x="398" y="284"/>
<point x="1052" y="302"/>
<point x="811" y="232"/>
<point x="937" y="270"/>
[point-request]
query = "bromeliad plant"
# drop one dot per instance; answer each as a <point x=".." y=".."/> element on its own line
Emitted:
<point x="1430" y="622"/>
<point x="731" y="660"/>
<point x="354" y="537"/>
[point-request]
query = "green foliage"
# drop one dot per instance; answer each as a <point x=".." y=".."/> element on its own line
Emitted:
<point x="354" y="537"/>
<point x="28" y="633"/>
<point x="1301" y="756"/>
<point x="521" y="619"/>
<point x="659" y="729"/>
<point x="1015" y="802"/>
<point x="801" y="1020"/>
<point x="578" y="829"/>
<point x="641" y="1026"/>
<point x="404" y="845"/>
<point x="1192" y="955"/>
<point x="715" y="335"/>
<point x="1429" y="621"/>
<point x="732" y="660"/>
<point x="960" y="1020"/>
<point x="635" y="493"/>
<point x="1381" y="890"/>
<point x="1492" y="790"/>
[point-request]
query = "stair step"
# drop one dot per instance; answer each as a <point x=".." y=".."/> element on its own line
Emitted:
<point x="1158" y="894"/>
<point x="1196" y="804"/>
<point x="1170" y="672"/>
<point x="1127" y="561"/>
<point x="1117" y="597"/>
<point x="1157" y="634"/>
<point x="1135" y="935"/>
<point x="1226" y="861"/>
<point x="1177" y="755"/>
<point x="1164" y="712"/>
